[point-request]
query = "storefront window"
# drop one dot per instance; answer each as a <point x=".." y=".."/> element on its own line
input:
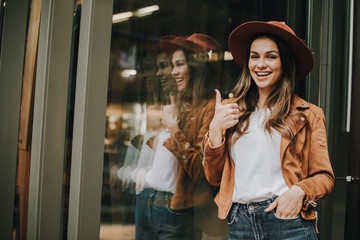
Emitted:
<point x="70" y="114"/>
<point x="150" y="175"/>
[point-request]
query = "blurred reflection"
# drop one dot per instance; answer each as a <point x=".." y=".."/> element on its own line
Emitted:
<point x="173" y="198"/>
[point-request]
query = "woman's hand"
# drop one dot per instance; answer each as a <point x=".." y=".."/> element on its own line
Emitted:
<point x="226" y="116"/>
<point x="289" y="203"/>
<point x="153" y="115"/>
<point x="169" y="115"/>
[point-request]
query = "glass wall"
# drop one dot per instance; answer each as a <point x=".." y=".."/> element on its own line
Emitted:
<point x="140" y="153"/>
<point x="70" y="114"/>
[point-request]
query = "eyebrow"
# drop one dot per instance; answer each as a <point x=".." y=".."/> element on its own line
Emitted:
<point x="271" y="51"/>
<point x="179" y="60"/>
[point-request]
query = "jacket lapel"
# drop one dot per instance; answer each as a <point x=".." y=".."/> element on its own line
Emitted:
<point x="297" y="106"/>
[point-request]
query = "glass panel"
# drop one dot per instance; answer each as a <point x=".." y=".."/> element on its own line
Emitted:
<point x="153" y="177"/>
<point x="70" y="115"/>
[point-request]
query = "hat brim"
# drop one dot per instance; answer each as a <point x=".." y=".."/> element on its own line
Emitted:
<point x="240" y="38"/>
<point x="170" y="43"/>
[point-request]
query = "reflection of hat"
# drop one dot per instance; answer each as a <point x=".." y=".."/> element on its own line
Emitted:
<point x="194" y="42"/>
<point x="240" y="38"/>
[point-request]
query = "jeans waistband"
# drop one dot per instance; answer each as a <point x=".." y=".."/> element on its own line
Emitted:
<point x="157" y="198"/>
<point x="253" y="205"/>
<point x="153" y="193"/>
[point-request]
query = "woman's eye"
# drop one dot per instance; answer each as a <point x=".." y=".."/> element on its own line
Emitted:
<point x="254" y="57"/>
<point x="272" y="57"/>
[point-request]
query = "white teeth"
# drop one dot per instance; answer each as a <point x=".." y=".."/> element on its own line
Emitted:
<point x="262" y="74"/>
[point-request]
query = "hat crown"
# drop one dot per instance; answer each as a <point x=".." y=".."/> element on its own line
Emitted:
<point x="204" y="41"/>
<point x="283" y="26"/>
<point x="194" y="42"/>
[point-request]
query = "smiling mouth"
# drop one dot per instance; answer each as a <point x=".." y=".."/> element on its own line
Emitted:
<point x="179" y="80"/>
<point x="262" y="74"/>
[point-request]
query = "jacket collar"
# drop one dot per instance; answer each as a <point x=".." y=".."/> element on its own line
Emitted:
<point x="299" y="103"/>
<point x="297" y="106"/>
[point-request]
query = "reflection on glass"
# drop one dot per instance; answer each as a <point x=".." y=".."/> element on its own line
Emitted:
<point x="161" y="91"/>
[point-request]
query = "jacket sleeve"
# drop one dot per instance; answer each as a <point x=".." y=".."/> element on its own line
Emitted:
<point x="214" y="161"/>
<point x="189" y="155"/>
<point x="320" y="180"/>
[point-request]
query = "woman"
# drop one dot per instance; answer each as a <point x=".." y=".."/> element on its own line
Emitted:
<point x="166" y="205"/>
<point x="266" y="148"/>
<point x="153" y="115"/>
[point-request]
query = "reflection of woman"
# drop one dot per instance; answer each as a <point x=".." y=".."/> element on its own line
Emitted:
<point x="166" y="204"/>
<point x="267" y="148"/>
<point x="149" y="146"/>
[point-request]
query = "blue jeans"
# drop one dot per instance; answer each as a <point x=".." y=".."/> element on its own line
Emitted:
<point x="155" y="220"/>
<point x="250" y="221"/>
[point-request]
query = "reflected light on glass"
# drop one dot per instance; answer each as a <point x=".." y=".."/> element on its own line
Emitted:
<point x="107" y="141"/>
<point x="128" y="73"/>
<point x="113" y="118"/>
<point x="126" y="116"/>
<point x="228" y="56"/>
<point x="121" y="17"/>
<point x="112" y="126"/>
<point x="141" y="12"/>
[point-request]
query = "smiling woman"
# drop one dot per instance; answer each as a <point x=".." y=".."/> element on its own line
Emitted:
<point x="261" y="141"/>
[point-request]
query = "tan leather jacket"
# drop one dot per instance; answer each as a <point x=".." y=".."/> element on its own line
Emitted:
<point x="186" y="145"/>
<point x="307" y="165"/>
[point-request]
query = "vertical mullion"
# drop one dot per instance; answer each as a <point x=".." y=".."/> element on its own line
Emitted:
<point x="89" y="119"/>
<point x="49" y="124"/>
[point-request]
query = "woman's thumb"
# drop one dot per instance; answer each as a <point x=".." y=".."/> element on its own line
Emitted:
<point x="272" y="206"/>
<point x="218" y="96"/>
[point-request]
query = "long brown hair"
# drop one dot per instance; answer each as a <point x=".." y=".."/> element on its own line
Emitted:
<point x="279" y="100"/>
<point x="196" y="94"/>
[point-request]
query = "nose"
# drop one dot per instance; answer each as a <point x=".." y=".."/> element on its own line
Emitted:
<point x="174" y="71"/>
<point x="261" y="63"/>
<point x="158" y="73"/>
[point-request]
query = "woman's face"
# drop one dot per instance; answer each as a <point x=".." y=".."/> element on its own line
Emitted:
<point x="180" y="72"/>
<point x="265" y="64"/>
<point x="164" y="72"/>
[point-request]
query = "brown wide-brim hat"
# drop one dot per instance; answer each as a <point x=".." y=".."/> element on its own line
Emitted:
<point x="194" y="43"/>
<point x="240" y="38"/>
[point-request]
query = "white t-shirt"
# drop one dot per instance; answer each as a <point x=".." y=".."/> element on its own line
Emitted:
<point x="256" y="155"/>
<point x="163" y="173"/>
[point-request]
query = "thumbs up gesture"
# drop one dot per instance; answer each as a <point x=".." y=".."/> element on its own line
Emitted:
<point x="169" y="115"/>
<point x="226" y="116"/>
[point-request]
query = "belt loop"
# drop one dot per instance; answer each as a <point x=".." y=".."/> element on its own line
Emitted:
<point x="236" y="207"/>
